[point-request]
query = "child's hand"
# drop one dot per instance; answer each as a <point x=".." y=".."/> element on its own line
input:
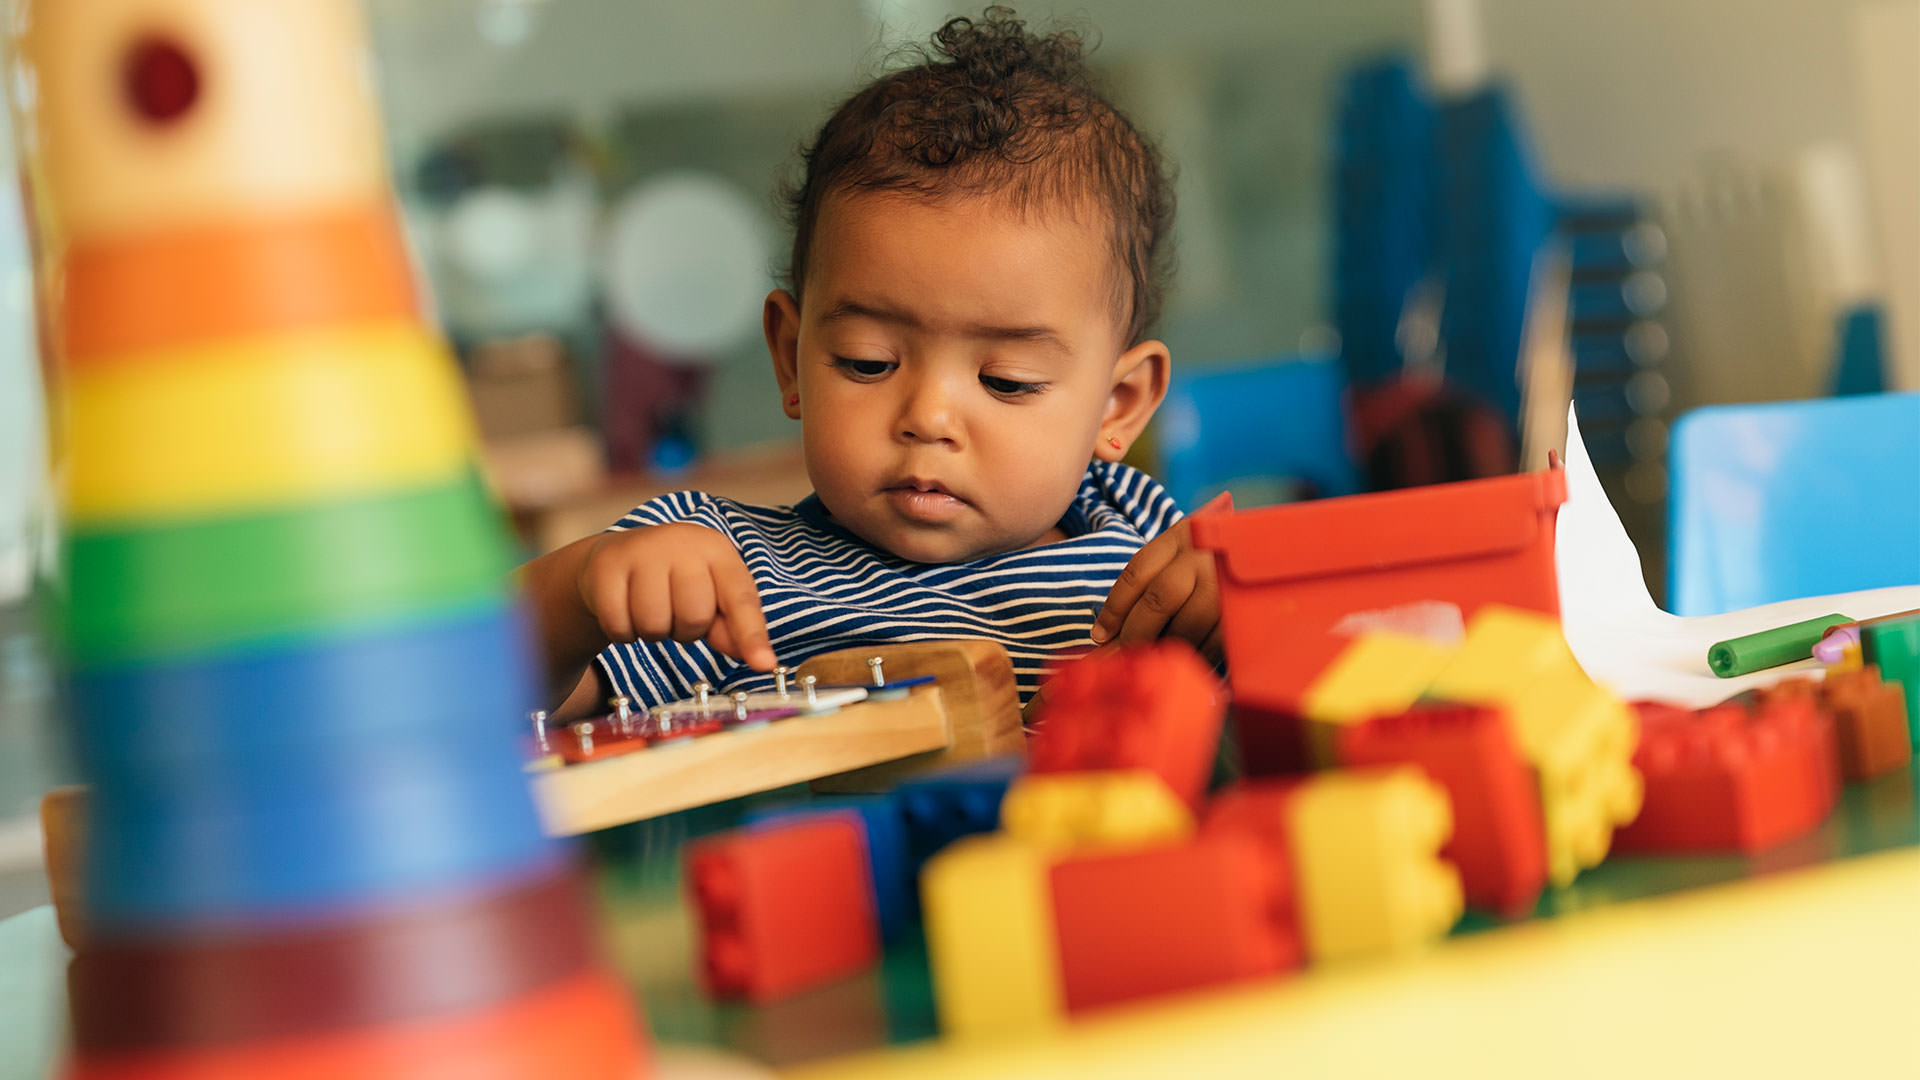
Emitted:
<point x="1167" y="589"/>
<point x="678" y="581"/>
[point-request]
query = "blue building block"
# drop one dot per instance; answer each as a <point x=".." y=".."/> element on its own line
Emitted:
<point x="943" y="806"/>
<point x="887" y="858"/>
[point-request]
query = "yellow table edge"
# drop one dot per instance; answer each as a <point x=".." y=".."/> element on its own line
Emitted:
<point x="1808" y="973"/>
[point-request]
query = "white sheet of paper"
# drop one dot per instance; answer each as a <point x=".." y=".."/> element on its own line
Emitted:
<point x="1639" y="651"/>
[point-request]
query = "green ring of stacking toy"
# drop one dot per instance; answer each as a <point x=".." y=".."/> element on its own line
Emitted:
<point x="146" y="593"/>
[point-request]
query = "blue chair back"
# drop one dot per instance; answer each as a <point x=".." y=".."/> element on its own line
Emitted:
<point x="1247" y="429"/>
<point x="1795" y="498"/>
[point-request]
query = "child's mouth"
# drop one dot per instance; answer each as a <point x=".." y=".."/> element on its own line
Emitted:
<point x="930" y="507"/>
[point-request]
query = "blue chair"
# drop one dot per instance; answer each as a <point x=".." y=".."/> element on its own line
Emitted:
<point x="1252" y="429"/>
<point x="1797" y="498"/>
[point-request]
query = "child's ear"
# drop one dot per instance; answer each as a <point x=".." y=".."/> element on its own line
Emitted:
<point x="781" y="322"/>
<point x="1139" y="384"/>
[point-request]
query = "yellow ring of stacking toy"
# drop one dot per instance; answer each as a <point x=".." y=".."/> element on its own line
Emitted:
<point x="272" y="422"/>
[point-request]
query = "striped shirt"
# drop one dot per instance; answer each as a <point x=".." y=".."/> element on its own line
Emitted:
<point x="822" y="588"/>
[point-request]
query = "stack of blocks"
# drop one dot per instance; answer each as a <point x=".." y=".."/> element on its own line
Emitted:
<point x="1729" y="779"/>
<point x="1101" y="874"/>
<point x="1536" y="758"/>
<point x="1114" y="877"/>
<point x="297" y="675"/>
<point x="1472" y="774"/>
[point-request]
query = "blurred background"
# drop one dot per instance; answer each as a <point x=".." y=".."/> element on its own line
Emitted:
<point x="1418" y="228"/>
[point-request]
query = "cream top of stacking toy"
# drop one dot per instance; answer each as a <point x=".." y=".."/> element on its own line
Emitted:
<point x="291" y="127"/>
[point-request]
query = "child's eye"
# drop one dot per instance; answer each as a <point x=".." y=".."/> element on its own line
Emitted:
<point x="1011" y="387"/>
<point x="864" y="369"/>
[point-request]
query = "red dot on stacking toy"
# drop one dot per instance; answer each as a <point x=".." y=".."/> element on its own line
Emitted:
<point x="162" y="82"/>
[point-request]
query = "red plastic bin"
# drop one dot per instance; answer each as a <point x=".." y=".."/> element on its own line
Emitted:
<point x="1298" y="581"/>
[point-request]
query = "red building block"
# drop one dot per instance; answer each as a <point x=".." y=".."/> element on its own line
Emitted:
<point x="1258" y="809"/>
<point x="1498" y="843"/>
<point x="1804" y="703"/>
<point x="1157" y="707"/>
<point x="1298" y="581"/>
<point x="1729" y="780"/>
<point x="783" y="907"/>
<point x="1870" y="722"/>
<point x="1141" y="923"/>
<point x="1255" y="807"/>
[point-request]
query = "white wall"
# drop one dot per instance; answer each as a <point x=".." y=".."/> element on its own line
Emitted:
<point x="1647" y="94"/>
<point x="1634" y="92"/>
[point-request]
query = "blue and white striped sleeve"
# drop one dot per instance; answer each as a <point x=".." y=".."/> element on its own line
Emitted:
<point x="664" y="510"/>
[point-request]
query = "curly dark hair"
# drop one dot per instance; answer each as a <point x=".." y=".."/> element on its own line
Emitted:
<point x="993" y="109"/>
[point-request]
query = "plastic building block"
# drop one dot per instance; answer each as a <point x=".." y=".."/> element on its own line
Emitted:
<point x="1498" y="842"/>
<point x="1729" y="780"/>
<point x="1366" y="847"/>
<point x="1296" y="581"/>
<point x="1140" y="923"/>
<point x="784" y="907"/>
<point x="1578" y="737"/>
<point x="1580" y="741"/>
<point x="941" y="806"/>
<point x="1851" y="659"/>
<point x="1080" y="810"/>
<point x="1259" y="808"/>
<point x="1805" y="695"/>
<point x="1870" y="722"/>
<point x="1504" y="650"/>
<point x="990" y="939"/>
<point x="887" y="852"/>
<point x="1893" y="645"/>
<point x="1380" y="674"/>
<point x="1156" y="707"/>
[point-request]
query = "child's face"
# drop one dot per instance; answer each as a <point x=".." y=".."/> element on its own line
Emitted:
<point x="957" y="365"/>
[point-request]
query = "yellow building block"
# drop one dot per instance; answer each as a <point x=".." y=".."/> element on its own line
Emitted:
<point x="1580" y="740"/>
<point x="1380" y="674"/>
<point x="1505" y="649"/>
<point x="1366" y="846"/>
<point x="988" y="901"/>
<point x="1851" y="659"/>
<point x="1072" y="811"/>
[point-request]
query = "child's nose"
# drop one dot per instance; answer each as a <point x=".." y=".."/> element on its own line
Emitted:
<point x="927" y="414"/>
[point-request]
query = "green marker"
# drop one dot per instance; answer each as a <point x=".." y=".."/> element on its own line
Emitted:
<point x="1770" y="648"/>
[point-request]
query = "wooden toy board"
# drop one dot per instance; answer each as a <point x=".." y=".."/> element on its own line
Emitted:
<point x="949" y="701"/>
<point x="1644" y="966"/>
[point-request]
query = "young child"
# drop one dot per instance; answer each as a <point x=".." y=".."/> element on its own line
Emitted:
<point x="980" y="250"/>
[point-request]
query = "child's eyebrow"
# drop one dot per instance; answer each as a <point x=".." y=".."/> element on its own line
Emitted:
<point x="853" y="309"/>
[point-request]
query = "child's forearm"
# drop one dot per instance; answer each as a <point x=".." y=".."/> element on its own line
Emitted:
<point x="570" y="636"/>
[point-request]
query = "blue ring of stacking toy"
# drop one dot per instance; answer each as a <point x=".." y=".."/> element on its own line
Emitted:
<point x="240" y="720"/>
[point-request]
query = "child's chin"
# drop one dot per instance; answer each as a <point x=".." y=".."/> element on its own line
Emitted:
<point x="933" y="547"/>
